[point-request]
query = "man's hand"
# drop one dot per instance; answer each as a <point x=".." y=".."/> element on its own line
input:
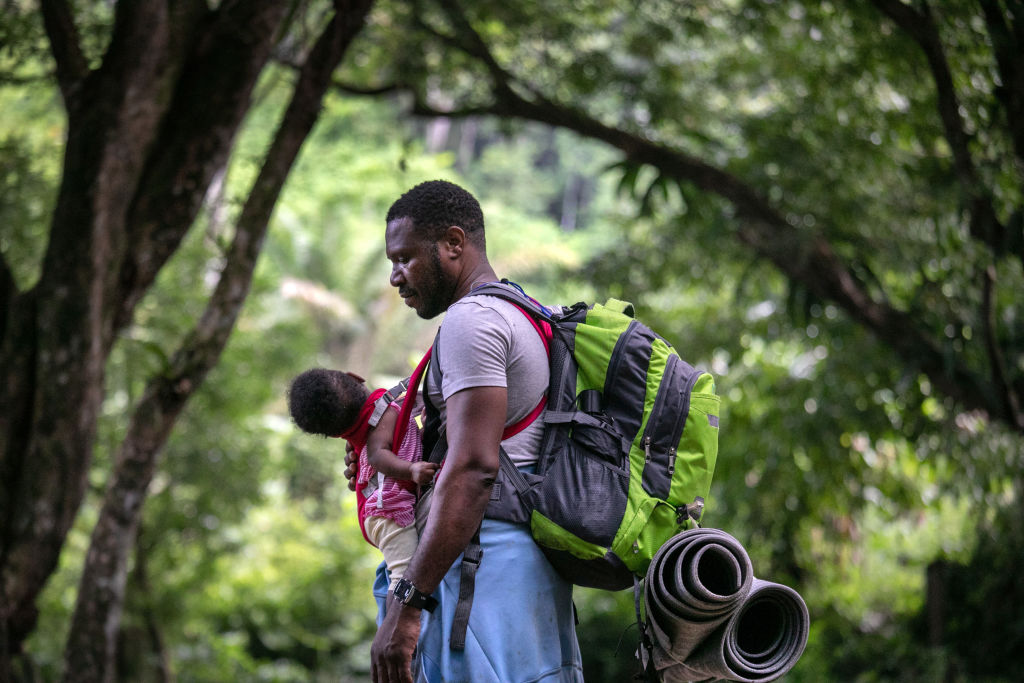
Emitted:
<point x="351" y="466"/>
<point x="391" y="653"/>
<point x="422" y="472"/>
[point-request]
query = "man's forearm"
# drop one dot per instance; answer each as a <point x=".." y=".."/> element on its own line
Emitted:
<point x="459" y="500"/>
<point x="476" y="418"/>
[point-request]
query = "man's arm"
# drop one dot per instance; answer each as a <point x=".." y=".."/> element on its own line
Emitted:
<point x="475" y="421"/>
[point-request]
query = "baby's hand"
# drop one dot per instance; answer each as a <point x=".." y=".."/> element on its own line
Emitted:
<point x="423" y="472"/>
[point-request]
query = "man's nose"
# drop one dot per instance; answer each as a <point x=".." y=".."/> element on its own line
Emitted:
<point x="396" y="276"/>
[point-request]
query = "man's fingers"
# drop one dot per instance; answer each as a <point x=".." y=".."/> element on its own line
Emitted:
<point x="391" y="671"/>
<point x="351" y="466"/>
<point x="400" y="672"/>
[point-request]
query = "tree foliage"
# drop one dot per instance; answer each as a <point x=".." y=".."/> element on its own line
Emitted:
<point x="820" y="202"/>
<point x="826" y="133"/>
<point x="854" y="175"/>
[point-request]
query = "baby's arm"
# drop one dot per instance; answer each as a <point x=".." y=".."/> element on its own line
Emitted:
<point x="383" y="459"/>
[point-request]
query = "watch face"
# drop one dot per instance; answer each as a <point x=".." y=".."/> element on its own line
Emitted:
<point x="408" y="594"/>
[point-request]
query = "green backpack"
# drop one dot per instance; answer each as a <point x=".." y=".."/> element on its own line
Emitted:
<point x="629" y="446"/>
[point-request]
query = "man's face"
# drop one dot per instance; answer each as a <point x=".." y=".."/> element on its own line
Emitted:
<point x="417" y="271"/>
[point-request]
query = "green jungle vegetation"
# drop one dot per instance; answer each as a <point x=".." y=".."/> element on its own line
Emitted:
<point x="819" y="202"/>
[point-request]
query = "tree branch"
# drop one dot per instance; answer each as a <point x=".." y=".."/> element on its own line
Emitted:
<point x="349" y="88"/>
<point x="37" y="79"/>
<point x="474" y="45"/>
<point x="802" y="257"/>
<point x="367" y="91"/>
<point x="421" y="108"/>
<point x="920" y="26"/>
<point x="1007" y="34"/>
<point x="8" y="290"/>
<point x="67" y="52"/>
<point x="1007" y="394"/>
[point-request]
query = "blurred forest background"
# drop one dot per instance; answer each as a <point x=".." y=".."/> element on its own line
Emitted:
<point x="820" y="202"/>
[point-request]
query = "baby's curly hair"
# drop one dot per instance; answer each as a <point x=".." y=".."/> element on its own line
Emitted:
<point x="435" y="205"/>
<point x="326" y="402"/>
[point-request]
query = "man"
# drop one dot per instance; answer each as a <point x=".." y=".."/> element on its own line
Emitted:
<point x="494" y="371"/>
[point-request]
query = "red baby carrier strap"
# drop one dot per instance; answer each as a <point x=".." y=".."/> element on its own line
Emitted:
<point x="400" y="431"/>
<point x="410" y="399"/>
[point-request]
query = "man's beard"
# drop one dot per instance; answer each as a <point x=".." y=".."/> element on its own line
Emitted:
<point x="438" y="290"/>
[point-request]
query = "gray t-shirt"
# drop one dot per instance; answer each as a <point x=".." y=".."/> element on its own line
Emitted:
<point x="487" y="342"/>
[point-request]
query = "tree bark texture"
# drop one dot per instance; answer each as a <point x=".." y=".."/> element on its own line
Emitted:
<point x="91" y="646"/>
<point x="147" y="131"/>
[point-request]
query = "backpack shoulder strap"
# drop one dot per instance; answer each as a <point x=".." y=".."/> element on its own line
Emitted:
<point x="514" y="294"/>
<point x="538" y="315"/>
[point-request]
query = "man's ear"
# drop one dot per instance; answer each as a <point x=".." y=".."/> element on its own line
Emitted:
<point x="453" y="242"/>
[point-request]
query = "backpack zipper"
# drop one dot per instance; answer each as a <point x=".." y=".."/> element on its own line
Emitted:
<point x="662" y="404"/>
<point x="618" y="352"/>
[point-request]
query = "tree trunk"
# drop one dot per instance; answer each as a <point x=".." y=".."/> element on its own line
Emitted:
<point x="164" y="672"/>
<point x="91" y="647"/>
<point x="147" y="129"/>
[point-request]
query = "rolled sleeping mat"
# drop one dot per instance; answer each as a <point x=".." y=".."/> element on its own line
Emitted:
<point x="760" y="642"/>
<point x="680" y="673"/>
<point x="695" y="582"/>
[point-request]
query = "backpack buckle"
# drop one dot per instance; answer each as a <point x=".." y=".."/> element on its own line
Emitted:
<point x="692" y="511"/>
<point x="381" y="405"/>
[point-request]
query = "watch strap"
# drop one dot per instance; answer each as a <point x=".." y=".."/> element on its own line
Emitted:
<point x="408" y="594"/>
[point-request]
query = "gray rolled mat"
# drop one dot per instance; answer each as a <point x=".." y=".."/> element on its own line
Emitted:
<point x="712" y="619"/>
<point x="695" y="582"/>
<point x="761" y="641"/>
<point x="680" y="673"/>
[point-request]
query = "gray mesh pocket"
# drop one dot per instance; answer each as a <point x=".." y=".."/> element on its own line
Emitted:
<point x="584" y="494"/>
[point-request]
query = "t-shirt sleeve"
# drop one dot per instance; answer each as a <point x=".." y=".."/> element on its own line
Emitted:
<point x="474" y="348"/>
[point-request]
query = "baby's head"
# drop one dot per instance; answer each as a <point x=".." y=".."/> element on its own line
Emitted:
<point x="326" y="402"/>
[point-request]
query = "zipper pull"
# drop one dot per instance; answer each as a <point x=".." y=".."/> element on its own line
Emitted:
<point x="671" y="461"/>
<point x="647" y="448"/>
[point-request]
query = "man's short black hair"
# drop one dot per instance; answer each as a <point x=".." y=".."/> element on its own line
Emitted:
<point x="326" y="402"/>
<point x="436" y="205"/>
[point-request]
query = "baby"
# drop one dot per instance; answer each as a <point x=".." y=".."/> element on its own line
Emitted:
<point x="338" y="404"/>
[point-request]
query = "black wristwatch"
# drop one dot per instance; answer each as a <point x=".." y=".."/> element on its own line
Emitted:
<point x="407" y="594"/>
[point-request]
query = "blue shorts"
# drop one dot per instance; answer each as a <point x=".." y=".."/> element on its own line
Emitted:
<point x="521" y="626"/>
